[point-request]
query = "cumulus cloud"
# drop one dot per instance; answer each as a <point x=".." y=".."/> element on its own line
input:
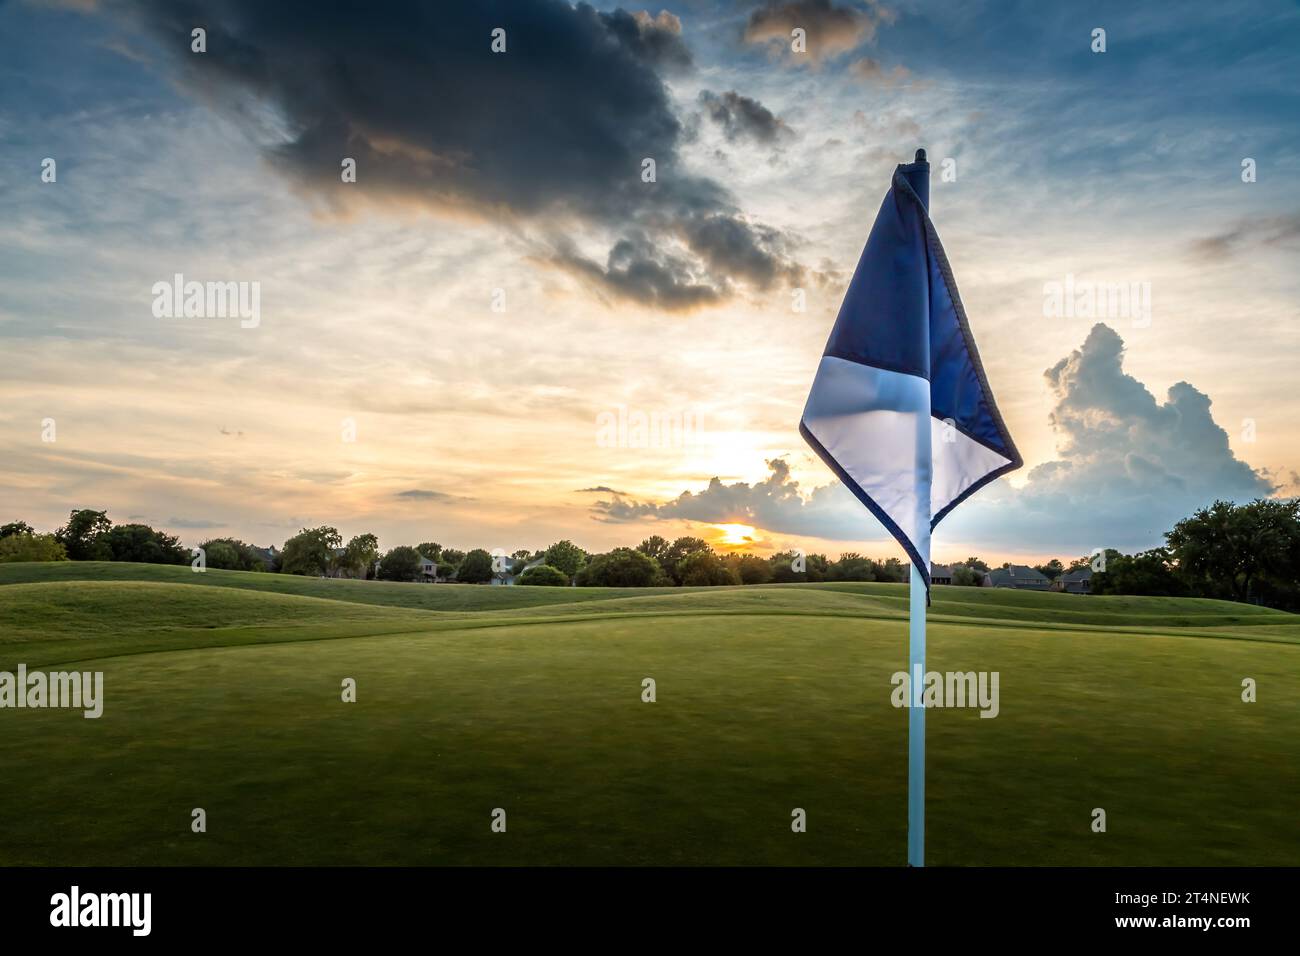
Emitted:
<point x="549" y="135"/>
<point x="1128" y="466"/>
<point x="831" y="30"/>
<point x="742" y="117"/>
<point x="775" y="504"/>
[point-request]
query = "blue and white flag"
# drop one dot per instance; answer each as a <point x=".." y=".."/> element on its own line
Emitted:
<point x="900" y="409"/>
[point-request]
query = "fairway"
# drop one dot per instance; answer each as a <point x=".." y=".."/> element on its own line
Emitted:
<point x="222" y="691"/>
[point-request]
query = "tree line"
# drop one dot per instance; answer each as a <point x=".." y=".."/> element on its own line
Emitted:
<point x="1248" y="553"/>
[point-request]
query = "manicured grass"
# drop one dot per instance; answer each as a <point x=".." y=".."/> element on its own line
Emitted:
<point x="224" y="695"/>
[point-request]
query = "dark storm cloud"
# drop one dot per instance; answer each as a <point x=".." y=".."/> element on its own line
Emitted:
<point x="656" y="40"/>
<point x="742" y="117"/>
<point x="550" y="133"/>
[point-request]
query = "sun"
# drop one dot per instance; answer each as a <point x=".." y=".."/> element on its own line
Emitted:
<point x="735" y="535"/>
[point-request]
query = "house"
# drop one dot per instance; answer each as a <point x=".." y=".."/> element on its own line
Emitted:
<point x="508" y="577"/>
<point x="428" y="570"/>
<point x="940" y="574"/>
<point x="1017" y="576"/>
<point x="1078" y="581"/>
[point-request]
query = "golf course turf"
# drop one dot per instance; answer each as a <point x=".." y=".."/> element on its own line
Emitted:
<point x="222" y="690"/>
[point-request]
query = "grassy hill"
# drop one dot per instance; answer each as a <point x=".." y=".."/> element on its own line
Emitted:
<point x="223" y="692"/>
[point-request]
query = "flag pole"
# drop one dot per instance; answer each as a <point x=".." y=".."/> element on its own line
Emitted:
<point x="916" y="647"/>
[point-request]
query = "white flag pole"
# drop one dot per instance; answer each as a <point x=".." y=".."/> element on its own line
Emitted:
<point x="916" y="641"/>
<point x="916" y="725"/>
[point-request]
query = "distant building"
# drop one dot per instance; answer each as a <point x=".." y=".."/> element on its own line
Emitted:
<point x="1078" y="581"/>
<point x="268" y="556"/>
<point x="508" y="576"/>
<point x="940" y="574"/>
<point x="1017" y="576"/>
<point x="428" y="570"/>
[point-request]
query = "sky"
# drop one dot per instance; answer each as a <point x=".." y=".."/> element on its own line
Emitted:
<point x="501" y="334"/>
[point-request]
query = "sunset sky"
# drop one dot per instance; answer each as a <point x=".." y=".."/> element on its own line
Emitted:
<point x="499" y="284"/>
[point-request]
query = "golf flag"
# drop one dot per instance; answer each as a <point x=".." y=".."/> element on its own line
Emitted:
<point x="900" y="408"/>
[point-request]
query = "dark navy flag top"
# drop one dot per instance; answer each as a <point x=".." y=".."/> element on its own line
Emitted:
<point x="900" y="409"/>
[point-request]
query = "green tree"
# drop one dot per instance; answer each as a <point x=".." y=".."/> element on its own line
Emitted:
<point x="221" y="555"/>
<point x="430" y="549"/>
<point x="966" y="576"/>
<point x="892" y="570"/>
<point x="1149" y="572"/>
<point x="543" y="575"/>
<point x="1239" y="551"/>
<point x="852" y="566"/>
<point x="753" y="570"/>
<point x="15" y="527"/>
<point x="976" y="564"/>
<point x="359" y="556"/>
<point x="82" y="536"/>
<point x="622" y="568"/>
<point x="400" y="564"/>
<point x="451" y="556"/>
<point x="1051" y="570"/>
<point x="31" y="547"/>
<point x="566" y="556"/>
<point x="310" y="551"/>
<point x="244" y="557"/>
<point x="142" y="544"/>
<point x="705" y="569"/>
<point x="678" y="551"/>
<point x="476" y="568"/>
<point x="655" y="547"/>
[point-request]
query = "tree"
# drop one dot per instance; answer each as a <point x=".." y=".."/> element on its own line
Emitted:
<point x="566" y="556"/>
<point x="1149" y="572"/>
<point x="622" y="568"/>
<point x="966" y="576"/>
<point x="221" y="555"/>
<point x="655" y="547"/>
<point x="977" y="564"/>
<point x="892" y="570"/>
<point x="678" y="551"/>
<point x="231" y="554"/>
<point x="31" y="547"/>
<point x="15" y="527"/>
<point x="400" y="564"/>
<point x="451" y="556"/>
<point x="82" y="536"/>
<point x="141" y="544"/>
<point x="1233" y="551"/>
<point x="359" y="555"/>
<point x="753" y="570"/>
<point x="476" y="568"/>
<point x="543" y="575"/>
<point x="310" y="551"/>
<point x="852" y="566"/>
<point x="705" y="569"/>
<point x="430" y="549"/>
<point x="1051" y="570"/>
